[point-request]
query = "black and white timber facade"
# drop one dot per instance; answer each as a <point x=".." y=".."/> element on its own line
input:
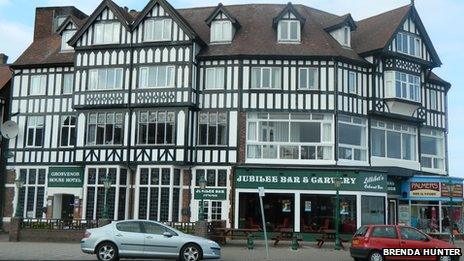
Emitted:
<point x="153" y="99"/>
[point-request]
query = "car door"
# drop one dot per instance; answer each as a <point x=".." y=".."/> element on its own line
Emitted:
<point x="384" y="237"/>
<point x="129" y="238"/>
<point x="159" y="244"/>
<point x="413" y="238"/>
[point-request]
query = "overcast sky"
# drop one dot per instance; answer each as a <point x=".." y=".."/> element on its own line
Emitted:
<point x="442" y="19"/>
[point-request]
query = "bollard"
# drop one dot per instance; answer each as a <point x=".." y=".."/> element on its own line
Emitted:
<point x="250" y="242"/>
<point x="294" y="243"/>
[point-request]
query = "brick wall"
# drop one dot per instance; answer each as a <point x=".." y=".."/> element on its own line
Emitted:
<point x="187" y="179"/>
<point x="44" y="235"/>
<point x="241" y="138"/>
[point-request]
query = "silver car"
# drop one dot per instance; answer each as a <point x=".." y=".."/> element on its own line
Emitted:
<point x="146" y="239"/>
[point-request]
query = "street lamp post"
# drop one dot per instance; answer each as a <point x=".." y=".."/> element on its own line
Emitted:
<point x="202" y="183"/>
<point x="337" y="184"/>
<point x="107" y="186"/>
<point x="19" y="184"/>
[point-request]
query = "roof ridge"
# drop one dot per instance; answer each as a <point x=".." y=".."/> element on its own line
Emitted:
<point x="384" y="13"/>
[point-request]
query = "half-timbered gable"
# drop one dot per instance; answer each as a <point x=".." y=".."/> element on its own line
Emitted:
<point x="223" y="25"/>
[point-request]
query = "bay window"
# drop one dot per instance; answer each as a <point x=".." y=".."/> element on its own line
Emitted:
<point x="289" y="31"/>
<point x="156" y="77"/>
<point x="308" y="79"/>
<point x="391" y="140"/>
<point x="221" y="31"/>
<point x="212" y="128"/>
<point x="158" y="29"/>
<point x="106" y="32"/>
<point x="266" y="78"/>
<point x="105" y="128"/>
<point x="289" y="136"/>
<point x="408" y="44"/>
<point x="156" y="127"/>
<point x="403" y="86"/>
<point x="432" y="149"/>
<point x="105" y="79"/>
<point x="214" y="78"/>
<point x="352" y="138"/>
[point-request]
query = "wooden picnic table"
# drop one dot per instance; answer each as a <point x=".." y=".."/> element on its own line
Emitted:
<point x="328" y="235"/>
<point x="286" y="234"/>
<point x="235" y="233"/>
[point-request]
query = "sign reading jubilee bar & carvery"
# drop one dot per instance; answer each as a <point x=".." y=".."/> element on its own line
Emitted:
<point x="65" y="177"/>
<point x="310" y="180"/>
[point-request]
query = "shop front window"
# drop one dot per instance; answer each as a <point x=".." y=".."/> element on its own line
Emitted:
<point x="451" y="218"/>
<point x="278" y="210"/>
<point x="425" y="216"/>
<point x="317" y="213"/>
<point x="372" y="210"/>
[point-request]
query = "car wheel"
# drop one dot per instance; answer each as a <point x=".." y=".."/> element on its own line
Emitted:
<point x="190" y="252"/>
<point x="376" y="256"/>
<point x="445" y="258"/>
<point x="107" y="252"/>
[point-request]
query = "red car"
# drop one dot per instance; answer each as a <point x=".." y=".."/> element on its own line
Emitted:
<point x="369" y="241"/>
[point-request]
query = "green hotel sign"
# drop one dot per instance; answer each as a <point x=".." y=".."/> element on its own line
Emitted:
<point x="210" y="194"/>
<point x="65" y="177"/>
<point x="310" y="180"/>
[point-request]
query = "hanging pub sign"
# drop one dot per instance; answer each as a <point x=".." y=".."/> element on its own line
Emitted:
<point x="68" y="177"/>
<point x="455" y="188"/>
<point x="424" y="189"/>
<point x="310" y="179"/>
<point x="210" y="194"/>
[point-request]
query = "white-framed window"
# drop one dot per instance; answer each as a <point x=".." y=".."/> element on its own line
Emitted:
<point x="308" y="79"/>
<point x="212" y="210"/>
<point x="105" y="79"/>
<point x="118" y="194"/>
<point x="432" y="149"/>
<point x="294" y="136"/>
<point x="352" y="85"/>
<point x="212" y="128"/>
<point x="392" y="140"/>
<point x="214" y="177"/>
<point x="105" y="128"/>
<point x="68" y="131"/>
<point x="346" y="36"/>
<point x="158" y="29"/>
<point x="38" y="85"/>
<point x="214" y="78"/>
<point x="155" y="186"/>
<point x="408" y="44"/>
<point x="106" y="32"/>
<point x="221" y="31"/>
<point x="68" y="83"/>
<point x="157" y="76"/>
<point x="407" y="86"/>
<point x="433" y="100"/>
<point x="352" y="138"/>
<point x="156" y="127"/>
<point x="266" y="77"/>
<point x="35" y="131"/>
<point x="289" y="30"/>
<point x="31" y="197"/>
<point x="65" y="37"/>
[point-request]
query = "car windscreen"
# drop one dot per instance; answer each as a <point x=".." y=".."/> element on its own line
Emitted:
<point x="361" y="231"/>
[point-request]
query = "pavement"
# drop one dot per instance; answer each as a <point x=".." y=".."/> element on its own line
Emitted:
<point x="233" y="251"/>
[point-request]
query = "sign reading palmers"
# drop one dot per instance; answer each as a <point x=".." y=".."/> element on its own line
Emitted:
<point x="309" y="179"/>
<point x="65" y="177"/>
<point x="424" y="189"/>
<point x="210" y="194"/>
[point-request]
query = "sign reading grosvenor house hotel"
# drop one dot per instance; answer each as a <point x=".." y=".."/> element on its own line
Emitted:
<point x="304" y="179"/>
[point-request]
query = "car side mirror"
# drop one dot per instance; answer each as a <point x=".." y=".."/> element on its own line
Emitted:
<point x="167" y="234"/>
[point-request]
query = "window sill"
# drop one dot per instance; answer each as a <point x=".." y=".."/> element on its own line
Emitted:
<point x="289" y="42"/>
<point x="396" y="99"/>
<point x="220" y="42"/>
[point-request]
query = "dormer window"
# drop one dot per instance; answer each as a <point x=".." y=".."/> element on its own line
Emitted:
<point x="289" y="31"/>
<point x="107" y="32"/>
<point x="221" y="31"/>
<point x="65" y="37"/>
<point x="342" y="35"/>
<point x="158" y="30"/>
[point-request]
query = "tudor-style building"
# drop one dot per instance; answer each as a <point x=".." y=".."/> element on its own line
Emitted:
<point x="284" y="97"/>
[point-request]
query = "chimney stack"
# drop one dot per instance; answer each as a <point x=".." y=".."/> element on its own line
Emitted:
<point x="3" y="58"/>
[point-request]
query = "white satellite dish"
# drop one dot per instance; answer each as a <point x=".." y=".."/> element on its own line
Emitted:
<point x="9" y="129"/>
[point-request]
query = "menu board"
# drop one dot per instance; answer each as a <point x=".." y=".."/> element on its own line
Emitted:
<point x="403" y="215"/>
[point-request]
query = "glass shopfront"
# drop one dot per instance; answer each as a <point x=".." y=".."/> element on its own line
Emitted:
<point x="304" y="200"/>
<point x="433" y="204"/>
